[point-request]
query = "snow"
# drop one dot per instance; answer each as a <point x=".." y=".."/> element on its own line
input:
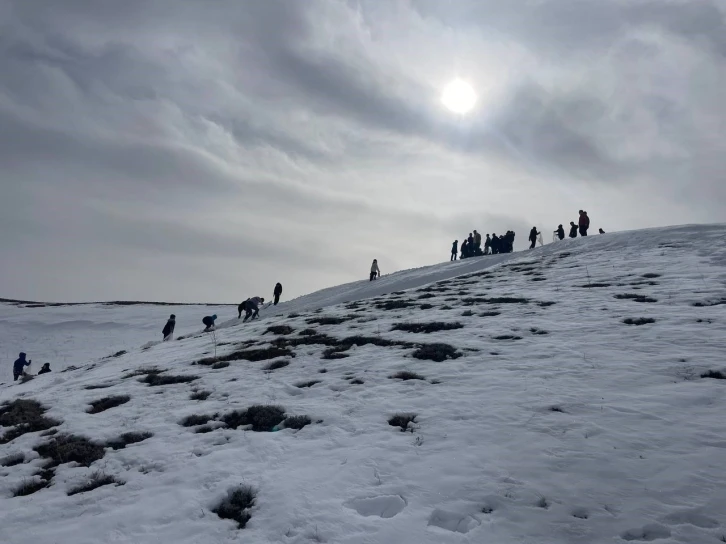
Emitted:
<point x="584" y="429"/>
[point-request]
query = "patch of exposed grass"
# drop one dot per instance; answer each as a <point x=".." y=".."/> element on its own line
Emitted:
<point x="426" y="328"/>
<point x="262" y="418"/>
<point x="118" y="354"/>
<point x="308" y="332"/>
<point x="71" y="449"/>
<point x="309" y="383"/>
<point x="196" y="419"/>
<point x="507" y="337"/>
<point x="26" y="416"/>
<point x="651" y="275"/>
<point x="393" y="305"/>
<point x="236" y="505"/>
<point x="404" y="421"/>
<point x="128" y="438"/>
<point x="714" y="374"/>
<point x="280" y="330"/>
<point x="426" y="295"/>
<point x="470" y="301"/>
<point x="329" y="320"/>
<point x="200" y="395"/>
<point x="220" y="364"/>
<point x="263" y="354"/>
<point x="331" y="354"/>
<point x="297" y="422"/>
<point x="106" y="403"/>
<point x="99" y="386"/>
<point x="28" y="487"/>
<point x="636" y="297"/>
<point x="96" y="480"/>
<point x="546" y="303"/>
<point x="489" y="314"/>
<point x="12" y="460"/>
<point x="593" y="285"/>
<point x="293" y="315"/>
<point x="275" y="365"/>
<point x="436" y="352"/>
<point x="426" y="306"/>
<point x="467" y="313"/>
<point x="638" y="321"/>
<point x="142" y="372"/>
<point x="406" y="375"/>
<point x="720" y="302"/>
<point x="356" y="381"/>
<point x="155" y="380"/>
<point x="535" y="330"/>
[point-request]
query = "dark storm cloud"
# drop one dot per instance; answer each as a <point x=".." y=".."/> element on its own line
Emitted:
<point x="309" y="135"/>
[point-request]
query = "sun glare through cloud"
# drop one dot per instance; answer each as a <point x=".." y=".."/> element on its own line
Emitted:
<point x="459" y="96"/>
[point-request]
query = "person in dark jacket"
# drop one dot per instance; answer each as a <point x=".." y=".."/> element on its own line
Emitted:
<point x="252" y="307"/>
<point x="560" y="232"/>
<point x="19" y="366"/>
<point x="584" y="223"/>
<point x="601" y="231"/>
<point x="241" y="308"/>
<point x="168" y="330"/>
<point x="209" y="322"/>
<point x="470" y="244"/>
<point x="44" y="369"/>
<point x="277" y="293"/>
<point x="573" y="230"/>
<point x="464" y="249"/>
<point x="487" y="245"/>
<point x="495" y="243"/>
<point x="477" y="243"/>
<point x="533" y="237"/>
<point x="454" y="250"/>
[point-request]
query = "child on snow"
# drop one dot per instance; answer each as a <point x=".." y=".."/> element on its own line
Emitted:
<point x="19" y="366"/>
<point x="208" y="322"/>
<point x="375" y="271"/>
<point x="44" y="369"/>
<point x="168" y="330"/>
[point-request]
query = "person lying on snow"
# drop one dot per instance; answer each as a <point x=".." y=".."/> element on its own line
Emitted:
<point x="209" y="322"/>
<point x="168" y="330"/>
<point x="19" y="366"/>
<point x="252" y="307"/>
<point x="44" y="369"/>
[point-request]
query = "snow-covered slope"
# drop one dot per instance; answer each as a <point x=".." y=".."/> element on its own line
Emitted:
<point x="541" y="416"/>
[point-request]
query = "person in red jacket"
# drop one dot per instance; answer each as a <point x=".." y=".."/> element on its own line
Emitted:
<point x="584" y="223"/>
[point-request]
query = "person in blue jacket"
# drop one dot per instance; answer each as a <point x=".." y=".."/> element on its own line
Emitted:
<point x="209" y="322"/>
<point x="19" y="366"/>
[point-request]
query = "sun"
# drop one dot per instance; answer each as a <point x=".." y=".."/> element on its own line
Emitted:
<point x="459" y="96"/>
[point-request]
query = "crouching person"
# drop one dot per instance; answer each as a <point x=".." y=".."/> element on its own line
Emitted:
<point x="208" y="322"/>
<point x="252" y="307"/>
<point x="44" y="369"/>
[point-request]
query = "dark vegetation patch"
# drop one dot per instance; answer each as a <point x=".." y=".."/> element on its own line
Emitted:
<point x="117" y="354"/>
<point x="156" y="379"/>
<point x="638" y="321"/>
<point x="399" y="293"/>
<point x="99" y="386"/>
<point x="507" y="337"/>
<point x="426" y="295"/>
<point x="200" y="395"/>
<point x="467" y="313"/>
<point x="546" y="303"/>
<point x="309" y="383"/>
<point x="71" y="449"/>
<point x="106" y="403"/>
<point x="26" y="416"/>
<point x="710" y="303"/>
<point x="12" y="460"/>
<point x="70" y="368"/>
<point x="403" y="421"/>
<point x="274" y="365"/>
<point x="592" y="285"/>
<point x="425" y="306"/>
<point x="262" y="354"/>
<point x="470" y="301"/>
<point x="28" y="487"/>
<point x="436" y="352"/>
<point x="323" y="370"/>
<point x="535" y="330"/>
<point x="220" y="364"/>
<point x="328" y="320"/>
<point x="236" y="505"/>
<point x="356" y="381"/>
<point x="331" y="354"/>
<point x="393" y="305"/>
<point x="128" y="438"/>
<point x="489" y="314"/>
<point x="539" y="278"/>
<point x="714" y="374"/>
<point x="97" y="479"/>
<point x="263" y="418"/>
<point x="293" y="315"/>
<point x="308" y="332"/>
<point x="280" y="329"/>
<point x="651" y="275"/>
<point x="297" y="422"/>
<point x="426" y="327"/>
<point x="406" y="375"/>
<point x="196" y="419"/>
<point x="556" y="409"/>
<point x="204" y="429"/>
<point x="636" y="297"/>
<point x="142" y="372"/>
<point x="447" y="307"/>
<point x="432" y="290"/>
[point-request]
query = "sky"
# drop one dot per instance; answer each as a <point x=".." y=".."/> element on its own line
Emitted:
<point x="192" y="151"/>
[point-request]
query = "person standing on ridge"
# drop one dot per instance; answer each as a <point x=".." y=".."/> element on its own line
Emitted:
<point x="487" y="245"/>
<point x="584" y="223"/>
<point x="573" y="230"/>
<point x="601" y="231"/>
<point x="470" y="243"/>
<point x="464" y="249"/>
<point x="252" y="307"/>
<point x="277" y="293"/>
<point x="533" y="237"/>
<point x="208" y="322"/>
<point x="454" y="250"/>
<point x="19" y="366"/>
<point x="477" y="243"/>
<point x="375" y="271"/>
<point x="168" y="330"/>
<point x="560" y="232"/>
<point x="495" y="243"/>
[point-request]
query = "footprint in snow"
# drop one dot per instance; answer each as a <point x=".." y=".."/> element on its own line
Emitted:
<point x="647" y="533"/>
<point x="451" y="521"/>
<point x="384" y="506"/>
<point x="691" y="517"/>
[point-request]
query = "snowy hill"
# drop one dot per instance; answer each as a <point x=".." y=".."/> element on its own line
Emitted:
<point x="566" y="394"/>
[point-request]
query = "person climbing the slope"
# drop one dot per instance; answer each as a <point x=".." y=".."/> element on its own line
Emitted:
<point x="209" y="322"/>
<point x="560" y="232"/>
<point x="584" y="223"/>
<point x="168" y="331"/>
<point x="454" y="250"/>
<point x="487" y="246"/>
<point x="375" y="271"/>
<point x="19" y="366"/>
<point x="252" y="308"/>
<point x="44" y="369"/>
<point x="533" y="237"/>
<point x="573" y="230"/>
<point x="277" y="292"/>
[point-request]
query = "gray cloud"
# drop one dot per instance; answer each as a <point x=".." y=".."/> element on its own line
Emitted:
<point x="298" y="140"/>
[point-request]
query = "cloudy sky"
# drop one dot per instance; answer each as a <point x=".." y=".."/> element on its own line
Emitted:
<point x="185" y="150"/>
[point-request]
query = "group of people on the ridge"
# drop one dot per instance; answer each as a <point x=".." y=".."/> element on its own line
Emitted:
<point x="472" y="245"/>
